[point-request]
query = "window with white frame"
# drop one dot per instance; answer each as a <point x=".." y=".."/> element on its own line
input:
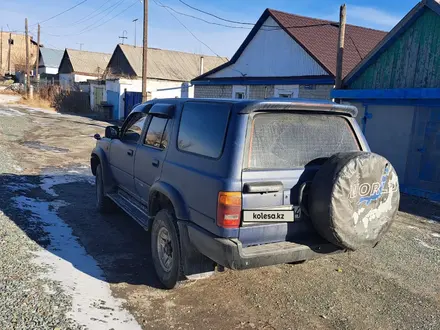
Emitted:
<point x="286" y="91"/>
<point x="239" y="92"/>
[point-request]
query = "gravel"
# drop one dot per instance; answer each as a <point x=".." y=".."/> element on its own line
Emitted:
<point x="26" y="300"/>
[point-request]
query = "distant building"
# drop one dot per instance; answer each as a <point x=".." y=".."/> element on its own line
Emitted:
<point x="49" y="62"/>
<point x="396" y="88"/>
<point x="14" y="52"/>
<point x="169" y="75"/>
<point x="79" y="65"/>
<point x="287" y="55"/>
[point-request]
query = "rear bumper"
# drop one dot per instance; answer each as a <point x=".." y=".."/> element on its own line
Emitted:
<point x="231" y="254"/>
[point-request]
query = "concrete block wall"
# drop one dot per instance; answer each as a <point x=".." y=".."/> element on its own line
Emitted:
<point x="321" y="92"/>
<point x="215" y="91"/>
<point x="261" y="91"/>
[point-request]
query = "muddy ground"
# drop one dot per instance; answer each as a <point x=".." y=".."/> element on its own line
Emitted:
<point x="394" y="286"/>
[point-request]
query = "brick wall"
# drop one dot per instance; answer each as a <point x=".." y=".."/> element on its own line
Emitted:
<point x="318" y="92"/>
<point x="260" y="91"/>
<point x="210" y="91"/>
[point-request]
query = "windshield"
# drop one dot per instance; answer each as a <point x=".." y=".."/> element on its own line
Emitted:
<point x="287" y="140"/>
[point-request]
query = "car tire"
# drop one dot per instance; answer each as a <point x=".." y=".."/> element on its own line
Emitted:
<point x="103" y="203"/>
<point x="165" y="249"/>
<point x="353" y="199"/>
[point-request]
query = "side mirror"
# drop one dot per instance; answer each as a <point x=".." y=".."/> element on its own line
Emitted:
<point x="112" y="132"/>
<point x="97" y="136"/>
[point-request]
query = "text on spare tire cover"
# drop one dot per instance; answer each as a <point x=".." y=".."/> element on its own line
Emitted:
<point x="369" y="192"/>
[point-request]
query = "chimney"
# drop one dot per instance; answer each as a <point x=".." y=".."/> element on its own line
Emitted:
<point x="201" y="65"/>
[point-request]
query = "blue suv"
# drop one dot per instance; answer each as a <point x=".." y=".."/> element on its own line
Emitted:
<point x="243" y="184"/>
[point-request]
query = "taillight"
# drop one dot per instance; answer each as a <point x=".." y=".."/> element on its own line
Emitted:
<point x="229" y="209"/>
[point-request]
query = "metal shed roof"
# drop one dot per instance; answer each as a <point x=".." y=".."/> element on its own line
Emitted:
<point x="88" y="62"/>
<point x="169" y="64"/>
<point x="51" y="57"/>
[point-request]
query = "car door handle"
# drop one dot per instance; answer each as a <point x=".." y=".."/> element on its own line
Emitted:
<point x="130" y="152"/>
<point x="155" y="162"/>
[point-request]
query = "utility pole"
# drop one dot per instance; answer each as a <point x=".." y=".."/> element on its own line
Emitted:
<point x="341" y="42"/>
<point x="80" y="45"/>
<point x="124" y="36"/>
<point x="144" y="53"/>
<point x="135" y="24"/>
<point x="28" y="74"/>
<point x="38" y="61"/>
<point x="1" y="52"/>
<point x="9" y="52"/>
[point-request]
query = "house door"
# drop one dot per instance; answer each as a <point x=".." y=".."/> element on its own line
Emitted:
<point x="130" y="100"/>
<point x="423" y="171"/>
<point x="99" y="95"/>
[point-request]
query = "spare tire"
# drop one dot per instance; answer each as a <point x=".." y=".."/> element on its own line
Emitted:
<point x="353" y="199"/>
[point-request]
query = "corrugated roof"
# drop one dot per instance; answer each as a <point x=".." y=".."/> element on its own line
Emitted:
<point x="51" y="57"/>
<point x="169" y="64"/>
<point x="319" y="38"/>
<point x="322" y="41"/>
<point x="88" y="62"/>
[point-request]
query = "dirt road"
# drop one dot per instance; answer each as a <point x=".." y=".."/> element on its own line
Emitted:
<point x="96" y="271"/>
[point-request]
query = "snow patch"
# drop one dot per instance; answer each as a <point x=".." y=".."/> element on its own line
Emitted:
<point x="437" y="235"/>
<point x="10" y="112"/>
<point x="49" y="182"/>
<point x="93" y="305"/>
<point x="426" y="245"/>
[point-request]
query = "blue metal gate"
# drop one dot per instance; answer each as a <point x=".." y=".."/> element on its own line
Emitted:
<point x="130" y="100"/>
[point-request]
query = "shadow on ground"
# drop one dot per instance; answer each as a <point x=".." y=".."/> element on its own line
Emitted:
<point x="420" y="207"/>
<point x="118" y="244"/>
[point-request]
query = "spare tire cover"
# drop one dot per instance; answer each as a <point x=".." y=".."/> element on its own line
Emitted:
<point x="353" y="199"/>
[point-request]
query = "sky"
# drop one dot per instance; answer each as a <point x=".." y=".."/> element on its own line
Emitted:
<point x="96" y="25"/>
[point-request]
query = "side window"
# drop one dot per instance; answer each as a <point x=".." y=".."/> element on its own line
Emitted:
<point x="133" y="128"/>
<point x="202" y="128"/>
<point x="157" y="135"/>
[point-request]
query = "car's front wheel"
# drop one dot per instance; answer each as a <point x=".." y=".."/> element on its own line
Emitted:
<point x="165" y="249"/>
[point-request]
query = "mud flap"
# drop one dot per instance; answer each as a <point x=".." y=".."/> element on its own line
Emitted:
<point x="195" y="265"/>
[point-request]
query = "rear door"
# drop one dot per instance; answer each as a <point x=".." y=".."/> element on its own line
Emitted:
<point x="284" y="152"/>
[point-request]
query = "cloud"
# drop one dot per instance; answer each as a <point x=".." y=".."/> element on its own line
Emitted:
<point x="371" y="16"/>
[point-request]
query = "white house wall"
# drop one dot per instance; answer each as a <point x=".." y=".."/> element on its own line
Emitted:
<point x="159" y="89"/>
<point x="272" y="53"/>
<point x="68" y="79"/>
<point x="47" y="70"/>
<point x="79" y="77"/>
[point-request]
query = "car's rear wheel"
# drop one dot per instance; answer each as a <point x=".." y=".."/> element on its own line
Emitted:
<point x="103" y="203"/>
<point x="165" y="249"/>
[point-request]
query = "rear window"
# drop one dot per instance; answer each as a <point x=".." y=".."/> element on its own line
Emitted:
<point x="202" y="128"/>
<point x="281" y="140"/>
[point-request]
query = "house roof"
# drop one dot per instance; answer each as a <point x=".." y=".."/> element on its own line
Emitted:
<point x="398" y="30"/>
<point x="88" y="62"/>
<point x="51" y="57"/>
<point x="319" y="38"/>
<point x="169" y="64"/>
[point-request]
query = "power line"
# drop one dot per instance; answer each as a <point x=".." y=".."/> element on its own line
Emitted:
<point x="89" y="28"/>
<point x="274" y="27"/>
<point x="218" y="17"/>
<point x="65" y="11"/>
<point x="201" y="19"/>
<point x="116" y="5"/>
<point x="195" y="37"/>
<point x="85" y="18"/>
<point x="354" y="44"/>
